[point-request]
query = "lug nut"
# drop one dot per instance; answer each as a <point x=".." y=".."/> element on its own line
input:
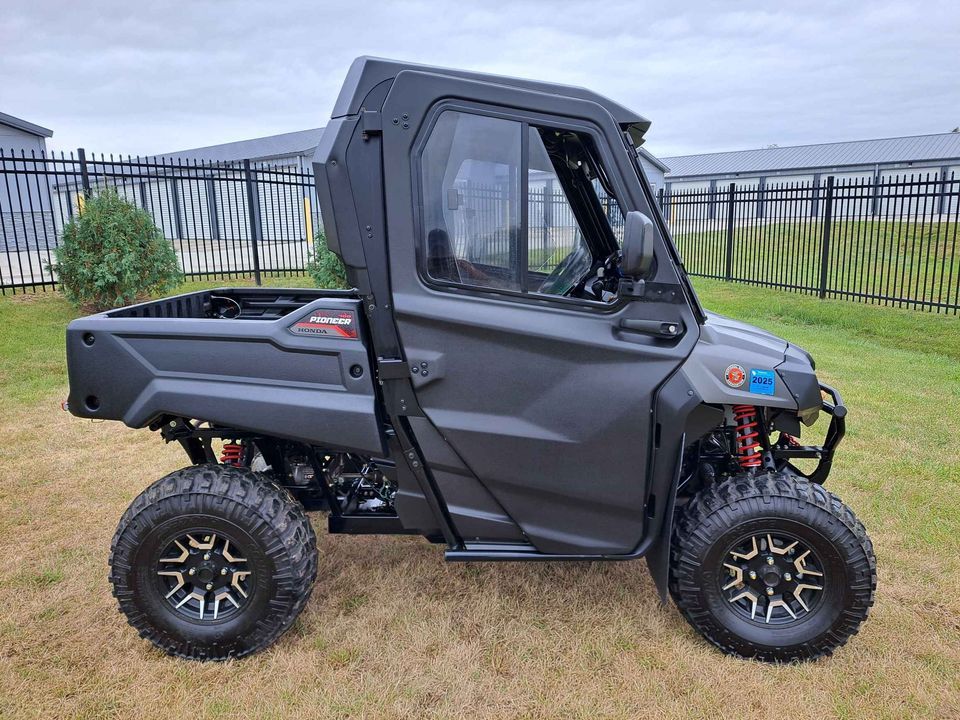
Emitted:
<point x="224" y="572"/>
<point x="769" y="591"/>
<point x="770" y="560"/>
<point x="788" y="577"/>
<point x="192" y="571"/>
<point x="209" y="586"/>
<point x="206" y="556"/>
<point x="753" y="574"/>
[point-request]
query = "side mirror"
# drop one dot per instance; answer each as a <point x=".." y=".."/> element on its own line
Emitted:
<point x="637" y="246"/>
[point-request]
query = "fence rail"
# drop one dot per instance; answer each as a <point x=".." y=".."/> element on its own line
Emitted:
<point x="891" y="240"/>
<point x="224" y="220"/>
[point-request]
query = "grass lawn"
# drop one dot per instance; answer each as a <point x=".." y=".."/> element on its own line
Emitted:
<point x="917" y="261"/>
<point x="393" y="631"/>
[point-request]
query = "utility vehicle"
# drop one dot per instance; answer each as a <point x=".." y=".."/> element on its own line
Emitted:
<point x="514" y="379"/>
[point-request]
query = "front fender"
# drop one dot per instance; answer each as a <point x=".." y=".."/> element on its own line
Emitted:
<point x="681" y="418"/>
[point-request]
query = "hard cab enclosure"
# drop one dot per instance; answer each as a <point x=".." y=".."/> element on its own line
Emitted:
<point x="552" y="389"/>
<point x="521" y="369"/>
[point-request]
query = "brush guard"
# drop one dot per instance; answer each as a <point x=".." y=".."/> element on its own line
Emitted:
<point x="833" y="406"/>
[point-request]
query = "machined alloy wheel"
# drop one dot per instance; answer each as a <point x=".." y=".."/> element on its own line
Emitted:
<point x="204" y="576"/>
<point x="772" y="577"/>
<point x="213" y="562"/>
<point x="772" y="567"/>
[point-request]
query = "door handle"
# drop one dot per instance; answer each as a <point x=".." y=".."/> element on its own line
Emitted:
<point x="657" y="328"/>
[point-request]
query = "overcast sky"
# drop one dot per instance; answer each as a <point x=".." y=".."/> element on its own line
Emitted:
<point x="149" y="77"/>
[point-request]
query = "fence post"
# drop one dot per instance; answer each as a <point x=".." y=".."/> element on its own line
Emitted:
<point x="825" y="243"/>
<point x="660" y="198"/>
<point x="253" y="218"/>
<point x="548" y="200"/>
<point x="213" y="217"/>
<point x="942" y="200"/>
<point x="729" y="263"/>
<point x="177" y="214"/>
<point x="815" y="195"/>
<point x="875" y="194"/>
<point x="84" y="179"/>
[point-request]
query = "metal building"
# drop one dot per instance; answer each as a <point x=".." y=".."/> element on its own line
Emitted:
<point x="17" y="135"/>
<point x="24" y="202"/>
<point x="292" y="149"/>
<point x="880" y="160"/>
<point x="654" y="168"/>
<point x="295" y="149"/>
<point x="271" y="156"/>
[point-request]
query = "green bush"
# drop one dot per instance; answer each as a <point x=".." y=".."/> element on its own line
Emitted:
<point x="112" y="254"/>
<point x="324" y="267"/>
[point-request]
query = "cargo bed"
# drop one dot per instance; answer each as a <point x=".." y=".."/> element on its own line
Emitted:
<point x="289" y="363"/>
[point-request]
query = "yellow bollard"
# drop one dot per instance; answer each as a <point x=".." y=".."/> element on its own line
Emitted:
<point x="309" y="218"/>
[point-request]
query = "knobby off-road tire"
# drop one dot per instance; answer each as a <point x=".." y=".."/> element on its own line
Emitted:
<point x="712" y="548"/>
<point x="241" y="546"/>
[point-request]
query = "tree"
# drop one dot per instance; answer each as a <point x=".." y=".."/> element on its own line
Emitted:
<point x="324" y="267"/>
<point x="112" y="254"/>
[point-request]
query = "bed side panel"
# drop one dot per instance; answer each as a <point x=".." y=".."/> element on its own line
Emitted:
<point x="290" y="377"/>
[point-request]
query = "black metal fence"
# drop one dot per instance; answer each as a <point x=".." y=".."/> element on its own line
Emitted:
<point x="224" y="220"/>
<point x="888" y="240"/>
<point x="891" y="240"/>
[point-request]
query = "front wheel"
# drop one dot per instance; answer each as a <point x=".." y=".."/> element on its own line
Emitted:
<point x="213" y="562"/>
<point x="772" y="567"/>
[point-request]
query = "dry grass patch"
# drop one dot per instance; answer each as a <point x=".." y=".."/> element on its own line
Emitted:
<point x="394" y="632"/>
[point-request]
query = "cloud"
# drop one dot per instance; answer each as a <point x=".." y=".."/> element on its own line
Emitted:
<point x="152" y="77"/>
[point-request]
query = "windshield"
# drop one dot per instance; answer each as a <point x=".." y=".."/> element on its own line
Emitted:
<point x="569" y="272"/>
<point x="667" y="237"/>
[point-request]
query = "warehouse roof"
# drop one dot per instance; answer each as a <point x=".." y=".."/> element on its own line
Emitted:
<point x="655" y="161"/>
<point x="917" y="148"/>
<point x="283" y="145"/>
<point x="15" y="122"/>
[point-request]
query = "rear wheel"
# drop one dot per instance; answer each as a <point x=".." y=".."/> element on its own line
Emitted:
<point x="772" y="567"/>
<point x="213" y="562"/>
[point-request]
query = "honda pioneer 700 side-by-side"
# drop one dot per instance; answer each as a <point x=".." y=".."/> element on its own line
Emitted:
<point x="521" y="371"/>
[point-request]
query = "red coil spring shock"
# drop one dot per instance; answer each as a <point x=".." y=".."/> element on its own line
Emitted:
<point x="747" y="425"/>
<point x="232" y="454"/>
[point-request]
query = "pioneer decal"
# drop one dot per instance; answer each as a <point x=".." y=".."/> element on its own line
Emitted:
<point x="327" y="323"/>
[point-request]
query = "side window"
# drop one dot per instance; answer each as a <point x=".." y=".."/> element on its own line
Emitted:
<point x="487" y="224"/>
<point x="553" y="234"/>
<point x="471" y="185"/>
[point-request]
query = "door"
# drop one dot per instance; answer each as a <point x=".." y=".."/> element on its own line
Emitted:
<point x="518" y="356"/>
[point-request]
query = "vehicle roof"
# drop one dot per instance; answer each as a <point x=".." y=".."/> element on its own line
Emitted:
<point x="367" y="72"/>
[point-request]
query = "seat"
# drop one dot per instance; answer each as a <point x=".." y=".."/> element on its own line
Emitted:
<point x="441" y="262"/>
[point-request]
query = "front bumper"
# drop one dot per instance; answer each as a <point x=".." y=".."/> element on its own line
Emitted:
<point x="833" y="405"/>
